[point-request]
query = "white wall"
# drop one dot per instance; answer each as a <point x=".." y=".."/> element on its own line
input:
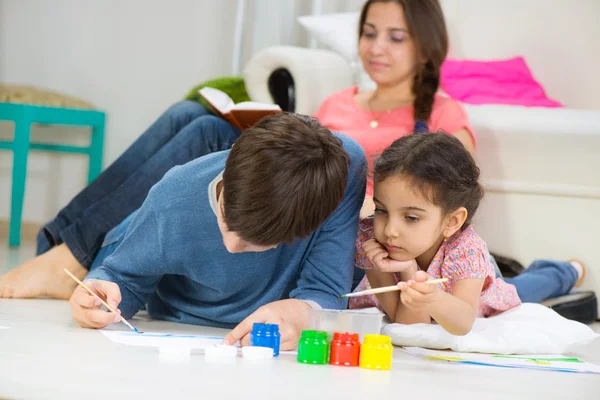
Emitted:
<point x="559" y="39"/>
<point x="131" y="58"/>
<point x="134" y="58"/>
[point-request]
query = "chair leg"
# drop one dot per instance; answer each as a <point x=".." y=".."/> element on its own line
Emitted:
<point x="96" y="151"/>
<point x="19" y="176"/>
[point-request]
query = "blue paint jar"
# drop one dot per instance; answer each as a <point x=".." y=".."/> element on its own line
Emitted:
<point x="265" y="335"/>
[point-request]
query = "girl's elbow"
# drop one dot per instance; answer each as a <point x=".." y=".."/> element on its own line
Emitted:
<point x="460" y="330"/>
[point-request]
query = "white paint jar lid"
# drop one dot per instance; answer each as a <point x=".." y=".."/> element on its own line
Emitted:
<point x="257" y="352"/>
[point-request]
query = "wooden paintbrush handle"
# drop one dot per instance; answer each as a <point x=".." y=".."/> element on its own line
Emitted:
<point x="386" y="289"/>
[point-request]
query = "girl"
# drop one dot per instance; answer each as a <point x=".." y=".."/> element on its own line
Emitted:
<point x="426" y="194"/>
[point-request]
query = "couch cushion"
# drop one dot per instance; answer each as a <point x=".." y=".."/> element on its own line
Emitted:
<point x="494" y="82"/>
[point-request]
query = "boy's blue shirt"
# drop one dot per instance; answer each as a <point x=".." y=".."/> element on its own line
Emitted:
<point x="169" y="254"/>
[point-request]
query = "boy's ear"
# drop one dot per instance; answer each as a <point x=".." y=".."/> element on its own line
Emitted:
<point x="454" y="221"/>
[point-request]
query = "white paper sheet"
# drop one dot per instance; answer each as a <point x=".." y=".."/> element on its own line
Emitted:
<point x="543" y="362"/>
<point x="158" y="339"/>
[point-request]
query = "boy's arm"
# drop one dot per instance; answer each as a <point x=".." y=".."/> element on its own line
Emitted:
<point x="327" y="271"/>
<point x="138" y="264"/>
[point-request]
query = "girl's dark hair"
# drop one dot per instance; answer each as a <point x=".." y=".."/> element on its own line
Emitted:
<point x="440" y="168"/>
<point x="427" y="27"/>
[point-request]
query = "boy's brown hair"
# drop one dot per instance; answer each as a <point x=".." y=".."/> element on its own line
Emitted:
<point x="283" y="178"/>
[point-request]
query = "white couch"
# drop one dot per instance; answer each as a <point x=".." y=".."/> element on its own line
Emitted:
<point x="540" y="167"/>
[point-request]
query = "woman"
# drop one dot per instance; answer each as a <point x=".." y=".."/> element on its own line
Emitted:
<point x="402" y="45"/>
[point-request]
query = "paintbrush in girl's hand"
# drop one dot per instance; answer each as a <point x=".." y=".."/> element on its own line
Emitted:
<point x="103" y="302"/>
<point x="387" y="289"/>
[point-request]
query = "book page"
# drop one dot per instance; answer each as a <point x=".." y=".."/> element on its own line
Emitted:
<point x="218" y="99"/>
<point x="253" y="105"/>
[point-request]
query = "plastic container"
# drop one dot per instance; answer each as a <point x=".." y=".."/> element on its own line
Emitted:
<point x="345" y="349"/>
<point x="266" y="335"/>
<point x="313" y="347"/>
<point x="332" y="321"/>
<point x="376" y="352"/>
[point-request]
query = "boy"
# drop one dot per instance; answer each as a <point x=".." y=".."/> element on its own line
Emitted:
<point x="259" y="233"/>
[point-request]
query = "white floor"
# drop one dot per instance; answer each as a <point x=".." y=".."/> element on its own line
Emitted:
<point x="45" y="355"/>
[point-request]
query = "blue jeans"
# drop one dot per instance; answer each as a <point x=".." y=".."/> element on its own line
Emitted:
<point x="183" y="133"/>
<point x="544" y="279"/>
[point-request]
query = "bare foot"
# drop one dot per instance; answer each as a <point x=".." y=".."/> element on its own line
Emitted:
<point x="43" y="276"/>
<point x="581" y="270"/>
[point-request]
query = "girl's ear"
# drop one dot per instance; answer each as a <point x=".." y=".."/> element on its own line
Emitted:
<point x="454" y="221"/>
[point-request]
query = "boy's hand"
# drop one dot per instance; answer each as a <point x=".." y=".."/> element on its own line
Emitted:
<point x="86" y="309"/>
<point x="379" y="258"/>
<point x="417" y="295"/>
<point x="291" y="315"/>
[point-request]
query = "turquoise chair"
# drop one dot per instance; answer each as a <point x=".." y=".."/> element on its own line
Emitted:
<point x="24" y="115"/>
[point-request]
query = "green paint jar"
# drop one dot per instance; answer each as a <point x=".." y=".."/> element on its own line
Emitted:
<point x="313" y="348"/>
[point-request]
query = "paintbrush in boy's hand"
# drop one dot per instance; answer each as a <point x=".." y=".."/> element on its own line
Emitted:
<point x="387" y="289"/>
<point x="103" y="302"/>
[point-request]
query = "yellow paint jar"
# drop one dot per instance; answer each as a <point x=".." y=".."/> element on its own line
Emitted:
<point x="376" y="352"/>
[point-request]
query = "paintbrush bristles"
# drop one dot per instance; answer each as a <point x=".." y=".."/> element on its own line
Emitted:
<point x="386" y="289"/>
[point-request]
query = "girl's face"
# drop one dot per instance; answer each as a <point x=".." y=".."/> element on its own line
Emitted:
<point x="386" y="49"/>
<point x="406" y="223"/>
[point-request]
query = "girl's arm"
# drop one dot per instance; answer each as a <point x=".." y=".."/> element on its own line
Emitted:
<point x="388" y="301"/>
<point x="456" y="312"/>
<point x="466" y="139"/>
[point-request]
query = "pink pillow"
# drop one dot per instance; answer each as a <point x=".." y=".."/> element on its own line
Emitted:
<point x="493" y="82"/>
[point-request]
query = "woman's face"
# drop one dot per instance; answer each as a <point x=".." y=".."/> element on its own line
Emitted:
<point x="386" y="48"/>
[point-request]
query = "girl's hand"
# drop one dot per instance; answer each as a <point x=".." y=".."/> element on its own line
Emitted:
<point x="379" y="258"/>
<point x="417" y="295"/>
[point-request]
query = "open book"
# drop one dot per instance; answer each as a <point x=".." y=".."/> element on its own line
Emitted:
<point x="242" y="115"/>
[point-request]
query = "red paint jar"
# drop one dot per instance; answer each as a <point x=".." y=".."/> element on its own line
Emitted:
<point x="345" y="349"/>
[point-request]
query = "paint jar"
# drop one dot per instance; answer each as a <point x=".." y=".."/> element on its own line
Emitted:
<point x="376" y="352"/>
<point x="345" y="349"/>
<point x="313" y="347"/>
<point x="266" y="335"/>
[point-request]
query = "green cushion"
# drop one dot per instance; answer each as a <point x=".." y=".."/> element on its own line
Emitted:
<point x="232" y="85"/>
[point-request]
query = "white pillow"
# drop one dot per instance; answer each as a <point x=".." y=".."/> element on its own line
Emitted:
<point x="339" y="32"/>
<point x="527" y="329"/>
